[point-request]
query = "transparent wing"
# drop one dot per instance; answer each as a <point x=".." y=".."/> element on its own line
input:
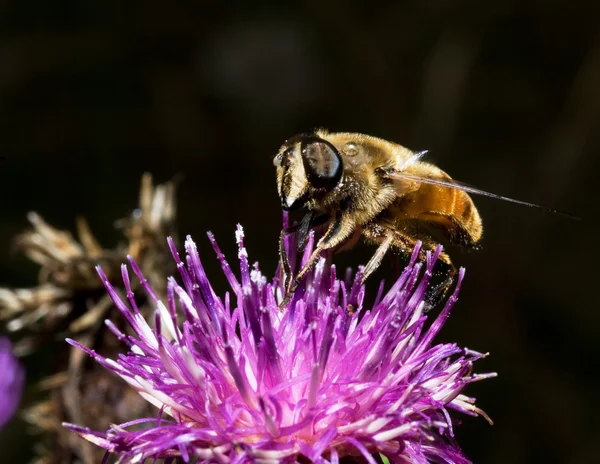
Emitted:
<point x="451" y="183"/>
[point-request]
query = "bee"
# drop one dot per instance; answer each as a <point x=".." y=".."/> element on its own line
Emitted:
<point x="358" y="185"/>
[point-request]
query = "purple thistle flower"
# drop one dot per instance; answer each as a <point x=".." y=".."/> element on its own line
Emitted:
<point x="12" y="377"/>
<point x="236" y="380"/>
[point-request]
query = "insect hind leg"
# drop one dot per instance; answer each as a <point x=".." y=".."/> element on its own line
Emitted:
<point x="389" y="237"/>
<point x="436" y="293"/>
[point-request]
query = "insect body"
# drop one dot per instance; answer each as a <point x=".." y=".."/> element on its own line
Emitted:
<point x="362" y="185"/>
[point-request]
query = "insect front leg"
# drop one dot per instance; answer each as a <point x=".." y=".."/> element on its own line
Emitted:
<point x="339" y="229"/>
<point x="286" y="269"/>
<point x="309" y="221"/>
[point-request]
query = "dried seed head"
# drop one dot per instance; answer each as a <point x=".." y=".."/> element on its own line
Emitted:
<point x="70" y="300"/>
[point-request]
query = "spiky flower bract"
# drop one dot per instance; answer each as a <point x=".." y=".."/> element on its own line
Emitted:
<point x="12" y="377"/>
<point x="237" y="380"/>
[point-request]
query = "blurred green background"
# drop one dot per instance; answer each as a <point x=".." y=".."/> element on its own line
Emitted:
<point x="505" y="95"/>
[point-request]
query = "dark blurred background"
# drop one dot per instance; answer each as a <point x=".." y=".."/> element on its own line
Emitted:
<point x="505" y="95"/>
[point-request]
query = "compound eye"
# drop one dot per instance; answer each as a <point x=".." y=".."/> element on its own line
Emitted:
<point x="322" y="163"/>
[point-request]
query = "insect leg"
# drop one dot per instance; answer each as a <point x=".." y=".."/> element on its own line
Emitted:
<point x="336" y="233"/>
<point x="436" y="294"/>
<point x="309" y="221"/>
<point x="286" y="270"/>
<point x="405" y="242"/>
<point x="375" y="261"/>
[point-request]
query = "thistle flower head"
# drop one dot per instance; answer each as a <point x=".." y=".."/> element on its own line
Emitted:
<point x="237" y="380"/>
<point x="11" y="381"/>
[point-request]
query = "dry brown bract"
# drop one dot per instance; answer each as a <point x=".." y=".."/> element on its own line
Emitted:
<point x="70" y="301"/>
